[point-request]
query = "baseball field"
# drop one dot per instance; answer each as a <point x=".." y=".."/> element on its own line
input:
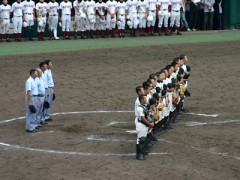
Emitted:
<point x="95" y="84"/>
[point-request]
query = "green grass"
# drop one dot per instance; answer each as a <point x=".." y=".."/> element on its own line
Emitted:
<point x="15" y="48"/>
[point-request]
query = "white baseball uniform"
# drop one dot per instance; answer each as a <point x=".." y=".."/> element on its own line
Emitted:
<point x="175" y="13"/>
<point x="111" y="21"/>
<point x="28" y="9"/>
<point x="132" y="12"/>
<point x="66" y="7"/>
<point x="5" y="11"/>
<point x="121" y="14"/>
<point x="152" y="6"/>
<point x="53" y="8"/>
<point x="91" y="18"/>
<point x="80" y="22"/>
<point x="17" y="9"/>
<point x="143" y="9"/>
<point x="101" y="13"/>
<point x="42" y="9"/>
<point x="163" y="14"/>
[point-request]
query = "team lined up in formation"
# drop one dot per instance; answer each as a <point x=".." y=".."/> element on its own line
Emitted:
<point x="160" y="103"/>
<point x="39" y="96"/>
<point x="104" y="18"/>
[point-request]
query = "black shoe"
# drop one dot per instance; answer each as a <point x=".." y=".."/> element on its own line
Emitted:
<point x="160" y="34"/>
<point x="152" y="34"/>
<point x="179" y="33"/>
<point x="31" y="131"/>
<point x="123" y="36"/>
<point x="103" y="36"/>
<point x="19" y="40"/>
<point x="48" y="120"/>
<point x="82" y="37"/>
<point x="8" y="40"/>
<point x="91" y="37"/>
<point x="167" y="34"/>
<point x="113" y="36"/>
<point x="31" y="39"/>
<point x="184" y="110"/>
<point x="141" y="157"/>
<point x="75" y="37"/>
<point x="37" y="127"/>
<point x="43" y="123"/>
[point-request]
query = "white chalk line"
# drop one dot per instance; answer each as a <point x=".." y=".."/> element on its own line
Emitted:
<point x="72" y="152"/>
<point x="195" y="123"/>
<point x="205" y="115"/>
<point x="203" y="150"/>
<point x="96" y="138"/>
<point x="115" y="122"/>
<point x="100" y="111"/>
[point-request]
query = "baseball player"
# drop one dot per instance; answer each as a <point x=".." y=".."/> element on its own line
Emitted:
<point x="79" y="19"/>
<point x="29" y="17"/>
<point x="163" y="15"/>
<point x="111" y="16"/>
<point x="41" y="12"/>
<point x="133" y="17"/>
<point x="143" y="14"/>
<point x="101" y="12"/>
<point x="53" y="8"/>
<point x="91" y="17"/>
<point x="31" y="101"/>
<point x="50" y="91"/>
<point x="121" y="17"/>
<point x="17" y="9"/>
<point x="5" y="11"/>
<point x="175" y="15"/>
<point x="142" y="126"/>
<point x="65" y="17"/>
<point x="152" y="6"/>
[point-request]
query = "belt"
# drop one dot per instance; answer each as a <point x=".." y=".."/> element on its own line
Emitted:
<point x="28" y="13"/>
<point x="34" y="95"/>
<point x="41" y="95"/>
<point x="142" y="122"/>
<point x="176" y="11"/>
<point x="66" y="14"/>
<point x="153" y="10"/>
<point x="52" y="15"/>
<point x="50" y="87"/>
<point x="165" y="9"/>
<point x="17" y="16"/>
<point x="5" y="18"/>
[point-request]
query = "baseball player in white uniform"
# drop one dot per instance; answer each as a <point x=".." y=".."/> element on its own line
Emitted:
<point x="5" y="11"/>
<point x="143" y="14"/>
<point x="29" y="17"/>
<point x="101" y="12"/>
<point x="80" y="18"/>
<point x="17" y="9"/>
<point x="152" y="6"/>
<point x="163" y="15"/>
<point x="31" y="100"/>
<point x="175" y="15"/>
<point x="111" y="16"/>
<point x="121" y="17"/>
<point x="53" y="8"/>
<point x="133" y="17"/>
<point x="142" y="126"/>
<point x="65" y="17"/>
<point x="91" y="17"/>
<point x="41" y="11"/>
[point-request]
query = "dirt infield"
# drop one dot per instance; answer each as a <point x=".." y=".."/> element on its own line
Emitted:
<point x="95" y="145"/>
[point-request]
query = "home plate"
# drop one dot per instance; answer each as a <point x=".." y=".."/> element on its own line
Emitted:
<point x="132" y="131"/>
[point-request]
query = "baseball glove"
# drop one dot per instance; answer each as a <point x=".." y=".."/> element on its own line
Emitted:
<point x="160" y="107"/>
<point x="53" y="98"/>
<point x="46" y="105"/>
<point x="32" y="109"/>
<point x="174" y="100"/>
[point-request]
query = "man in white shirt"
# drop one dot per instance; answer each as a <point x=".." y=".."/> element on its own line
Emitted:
<point x="80" y="18"/>
<point x="208" y="14"/>
<point x="163" y="15"/>
<point x="29" y="18"/>
<point x="65" y="17"/>
<point x="53" y="8"/>
<point x="31" y="101"/>
<point x="101" y="12"/>
<point x="111" y="16"/>
<point x="17" y="9"/>
<point x="41" y="12"/>
<point x="132" y="13"/>
<point x="91" y="17"/>
<point x="50" y="91"/>
<point x="121" y="17"/>
<point x="175" y="15"/>
<point x="152" y="9"/>
<point x="5" y="11"/>
<point x="143" y="13"/>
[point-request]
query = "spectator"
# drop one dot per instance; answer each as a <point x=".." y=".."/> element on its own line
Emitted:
<point x="208" y="14"/>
